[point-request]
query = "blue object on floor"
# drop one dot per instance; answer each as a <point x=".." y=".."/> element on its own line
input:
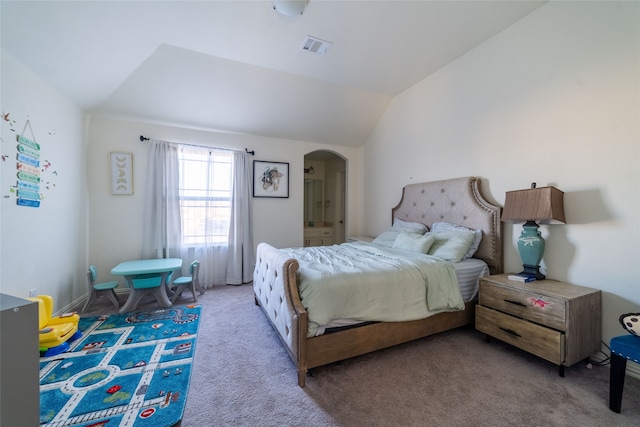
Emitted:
<point x="142" y="380"/>
<point x="623" y="348"/>
<point x="53" y="351"/>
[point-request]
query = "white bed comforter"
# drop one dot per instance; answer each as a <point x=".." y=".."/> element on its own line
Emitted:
<point x="366" y="282"/>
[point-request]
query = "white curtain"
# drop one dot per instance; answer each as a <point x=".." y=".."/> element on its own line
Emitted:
<point x="219" y="263"/>
<point x="162" y="225"/>
<point x="240" y="261"/>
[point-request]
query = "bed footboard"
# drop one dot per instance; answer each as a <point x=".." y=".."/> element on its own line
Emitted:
<point x="276" y="291"/>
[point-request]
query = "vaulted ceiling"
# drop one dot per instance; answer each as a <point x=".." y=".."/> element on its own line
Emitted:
<point x="239" y="65"/>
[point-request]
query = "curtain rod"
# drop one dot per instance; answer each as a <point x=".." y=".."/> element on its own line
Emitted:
<point x="252" y="152"/>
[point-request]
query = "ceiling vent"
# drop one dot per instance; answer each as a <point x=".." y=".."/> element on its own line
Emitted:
<point x="314" y="45"/>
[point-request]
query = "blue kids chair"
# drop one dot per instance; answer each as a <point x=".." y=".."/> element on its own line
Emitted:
<point x="100" y="289"/>
<point x="192" y="281"/>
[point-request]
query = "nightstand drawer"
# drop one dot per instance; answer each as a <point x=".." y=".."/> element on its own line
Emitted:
<point x="531" y="306"/>
<point x="311" y="232"/>
<point x="535" y="339"/>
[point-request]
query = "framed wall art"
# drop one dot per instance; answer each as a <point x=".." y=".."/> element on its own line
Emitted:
<point x="121" y="174"/>
<point x="270" y="179"/>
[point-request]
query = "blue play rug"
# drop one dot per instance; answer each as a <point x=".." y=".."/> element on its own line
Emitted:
<point x="129" y="369"/>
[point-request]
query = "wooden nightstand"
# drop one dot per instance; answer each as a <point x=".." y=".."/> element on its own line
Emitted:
<point x="554" y="320"/>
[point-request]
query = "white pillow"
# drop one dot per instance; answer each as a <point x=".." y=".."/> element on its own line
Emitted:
<point x="414" y="227"/>
<point x="451" y="245"/>
<point x="414" y="242"/>
<point x="437" y="227"/>
<point x="386" y="238"/>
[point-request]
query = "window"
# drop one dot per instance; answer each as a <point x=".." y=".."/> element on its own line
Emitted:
<point x="205" y="195"/>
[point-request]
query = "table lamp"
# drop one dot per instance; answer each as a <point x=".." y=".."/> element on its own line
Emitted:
<point x="544" y="205"/>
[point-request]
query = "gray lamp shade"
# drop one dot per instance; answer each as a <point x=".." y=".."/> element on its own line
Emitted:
<point x="544" y="205"/>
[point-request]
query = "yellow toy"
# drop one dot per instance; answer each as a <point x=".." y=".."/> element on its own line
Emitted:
<point x="55" y="332"/>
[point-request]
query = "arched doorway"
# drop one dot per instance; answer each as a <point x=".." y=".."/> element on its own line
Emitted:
<point x="324" y="198"/>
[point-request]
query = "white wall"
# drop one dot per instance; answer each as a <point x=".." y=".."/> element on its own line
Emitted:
<point x="552" y="99"/>
<point x="115" y="233"/>
<point x="43" y="248"/>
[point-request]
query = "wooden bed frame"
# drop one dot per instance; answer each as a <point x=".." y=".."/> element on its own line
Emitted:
<point x="457" y="201"/>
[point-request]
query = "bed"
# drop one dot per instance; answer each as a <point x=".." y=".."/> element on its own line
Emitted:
<point x="276" y="279"/>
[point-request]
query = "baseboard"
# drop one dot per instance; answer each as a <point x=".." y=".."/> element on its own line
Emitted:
<point x="76" y="305"/>
<point x="633" y="369"/>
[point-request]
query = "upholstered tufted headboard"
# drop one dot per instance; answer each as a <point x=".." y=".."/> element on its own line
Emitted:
<point x="457" y="201"/>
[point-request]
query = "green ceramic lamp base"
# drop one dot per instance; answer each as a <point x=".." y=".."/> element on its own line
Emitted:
<point x="531" y="247"/>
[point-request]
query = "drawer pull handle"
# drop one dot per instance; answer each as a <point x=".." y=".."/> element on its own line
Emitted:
<point x="511" y="332"/>
<point x="515" y="302"/>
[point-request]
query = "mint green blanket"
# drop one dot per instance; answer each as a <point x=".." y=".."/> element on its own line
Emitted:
<point x="365" y="282"/>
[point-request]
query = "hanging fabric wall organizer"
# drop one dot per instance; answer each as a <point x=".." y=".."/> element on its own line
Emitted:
<point x="28" y="165"/>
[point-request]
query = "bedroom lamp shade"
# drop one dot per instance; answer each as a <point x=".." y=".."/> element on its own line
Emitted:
<point x="543" y="205"/>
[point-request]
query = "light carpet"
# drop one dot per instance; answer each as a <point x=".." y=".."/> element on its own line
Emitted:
<point x="244" y="377"/>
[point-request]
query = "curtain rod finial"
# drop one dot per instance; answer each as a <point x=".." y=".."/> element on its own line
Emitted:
<point x="142" y="138"/>
<point x="252" y="152"/>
